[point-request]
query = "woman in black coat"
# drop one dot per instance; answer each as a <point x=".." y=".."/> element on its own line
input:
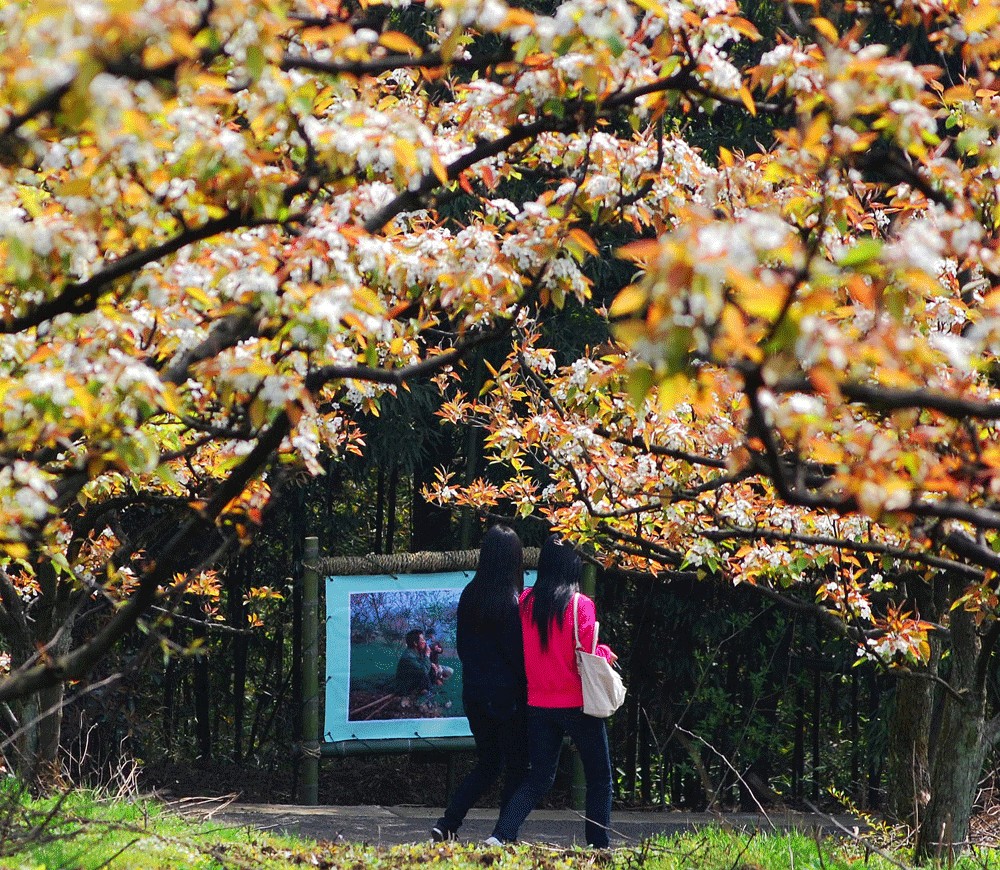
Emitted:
<point x="493" y="683"/>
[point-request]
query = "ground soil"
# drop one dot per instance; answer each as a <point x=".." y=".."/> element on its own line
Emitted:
<point x="417" y="780"/>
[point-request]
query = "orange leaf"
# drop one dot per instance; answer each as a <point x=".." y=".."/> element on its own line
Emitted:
<point x="641" y="251"/>
<point x="584" y="241"/>
<point x="399" y="42"/>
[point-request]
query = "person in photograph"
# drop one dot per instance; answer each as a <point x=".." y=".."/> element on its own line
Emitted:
<point x="434" y="650"/>
<point x="418" y="670"/>
<point x="493" y="681"/>
<point x="414" y="672"/>
<point x="555" y="695"/>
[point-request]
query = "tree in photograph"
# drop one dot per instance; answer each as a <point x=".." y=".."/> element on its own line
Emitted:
<point x="228" y="227"/>
<point x="802" y="388"/>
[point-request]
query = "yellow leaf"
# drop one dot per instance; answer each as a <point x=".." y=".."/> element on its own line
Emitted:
<point x="440" y="170"/>
<point x="747" y="98"/>
<point x="774" y="172"/>
<point x="32" y="199"/>
<point x="957" y="94"/>
<point x="755" y="298"/>
<point x="631" y="300"/>
<point x="399" y="42"/>
<point x="76" y="187"/>
<point x="199" y="296"/>
<point x="725" y="156"/>
<point x="406" y="153"/>
<point x="183" y="44"/>
<point x="826" y="29"/>
<point x="15" y="549"/>
<point x="170" y="400"/>
<point x="155" y="55"/>
<point x="671" y="391"/>
<point x="741" y="25"/>
<point x="981" y="17"/>
<point x="826" y="453"/>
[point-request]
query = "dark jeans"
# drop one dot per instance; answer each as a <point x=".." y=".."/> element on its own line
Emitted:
<point x="501" y="745"/>
<point x="546" y="728"/>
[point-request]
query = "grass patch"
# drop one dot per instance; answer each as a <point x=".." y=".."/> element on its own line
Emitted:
<point x="86" y="832"/>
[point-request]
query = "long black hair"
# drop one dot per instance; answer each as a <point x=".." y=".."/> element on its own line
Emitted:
<point x="559" y="569"/>
<point x="498" y="580"/>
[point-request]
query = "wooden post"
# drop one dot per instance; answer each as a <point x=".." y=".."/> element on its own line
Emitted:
<point x="578" y="791"/>
<point x="310" y="675"/>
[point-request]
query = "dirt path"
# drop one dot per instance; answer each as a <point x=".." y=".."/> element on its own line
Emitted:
<point x="386" y="826"/>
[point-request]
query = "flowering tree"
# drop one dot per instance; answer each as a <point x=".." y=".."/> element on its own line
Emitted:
<point x="222" y="240"/>
<point x="802" y="390"/>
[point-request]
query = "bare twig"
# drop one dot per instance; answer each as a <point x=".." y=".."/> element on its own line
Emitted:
<point x="736" y="773"/>
<point x="854" y="836"/>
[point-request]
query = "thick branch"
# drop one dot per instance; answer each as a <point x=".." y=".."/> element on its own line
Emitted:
<point x="12" y="610"/>
<point x="226" y="333"/>
<point x="968" y="549"/>
<point x="883" y="398"/>
<point x="778" y="465"/>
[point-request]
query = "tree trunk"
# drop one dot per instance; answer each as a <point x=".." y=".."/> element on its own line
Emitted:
<point x="379" y="510"/>
<point x="202" y="702"/>
<point x="961" y="746"/>
<point x="908" y="776"/>
<point x="235" y="586"/>
<point x="911" y="722"/>
<point x="390" y="520"/>
<point x="40" y="714"/>
<point x="944" y="831"/>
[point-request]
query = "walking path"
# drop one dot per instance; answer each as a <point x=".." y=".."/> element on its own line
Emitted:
<point x="387" y="826"/>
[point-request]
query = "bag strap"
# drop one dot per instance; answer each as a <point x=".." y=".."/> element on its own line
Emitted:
<point x="576" y="626"/>
<point x="576" y="620"/>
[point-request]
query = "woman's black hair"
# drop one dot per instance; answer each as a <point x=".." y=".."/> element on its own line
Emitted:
<point x="498" y="580"/>
<point x="559" y="569"/>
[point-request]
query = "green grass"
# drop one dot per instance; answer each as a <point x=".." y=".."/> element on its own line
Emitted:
<point x="89" y="833"/>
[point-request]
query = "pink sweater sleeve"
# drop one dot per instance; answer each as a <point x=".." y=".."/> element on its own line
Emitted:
<point x="587" y="616"/>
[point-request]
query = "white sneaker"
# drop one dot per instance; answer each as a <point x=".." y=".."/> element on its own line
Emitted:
<point x="492" y="841"/>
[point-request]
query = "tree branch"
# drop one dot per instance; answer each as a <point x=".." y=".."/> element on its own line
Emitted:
<point x="396" y="377"/>
<point x="47" y="102"/>
<point x="81" y="297"/>
<point x="411" y="199"/>
<point x="844" y="544"/>
<point x="883" y="398"/>
<point x="78" y="662"/>
<point x="376" y="66"/>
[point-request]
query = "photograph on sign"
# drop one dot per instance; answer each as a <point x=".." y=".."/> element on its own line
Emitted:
<point x="392" y="666"/>
<point x="404" y="664"/>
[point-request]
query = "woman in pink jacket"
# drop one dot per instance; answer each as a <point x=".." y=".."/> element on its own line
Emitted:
<point x="555" y="694"/>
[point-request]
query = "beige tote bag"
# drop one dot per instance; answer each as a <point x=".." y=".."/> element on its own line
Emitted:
<point x="603" y="689"/>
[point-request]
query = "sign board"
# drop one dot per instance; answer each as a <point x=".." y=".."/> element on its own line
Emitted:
<point x="368" y="694"/>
